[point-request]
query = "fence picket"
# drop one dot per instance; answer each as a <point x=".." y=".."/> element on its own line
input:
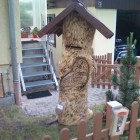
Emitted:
<point x="133" y="121"/>
<point x="64" y="134"/>
<point x="97" y="126"/>
<point x="115" y="74"/>
<point x="115" y="138"/>
<point x="103" y="69"/>
<point x="109" y="58"/>
<point x="137" y="72"/>
<point x="105" y="57"/>
<point x="81" y="130"/>
<point x="108" y="116"/>
<point x="108" y="123"/>
<point x="98" y="73"/>
<point x="100" y="133"/>
<point x="47" y="138"/>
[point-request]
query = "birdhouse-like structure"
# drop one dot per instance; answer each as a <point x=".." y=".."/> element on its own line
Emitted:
<point x="78" y="27"/>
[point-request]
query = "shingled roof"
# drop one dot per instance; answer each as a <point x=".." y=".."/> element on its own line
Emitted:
<point x="56" y="25"/>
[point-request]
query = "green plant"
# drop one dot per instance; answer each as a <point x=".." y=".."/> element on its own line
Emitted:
<point x="128" y="88"/>
<point x="109" y="96"/>
<point x="35" y="30"/>
<point x="98" y="108"/>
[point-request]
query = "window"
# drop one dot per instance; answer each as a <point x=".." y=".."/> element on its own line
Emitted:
<point x="26" y="13"/>
<point x="52" y="37"/>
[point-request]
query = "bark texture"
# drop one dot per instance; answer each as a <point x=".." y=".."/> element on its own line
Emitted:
<point x="75" y="69"/>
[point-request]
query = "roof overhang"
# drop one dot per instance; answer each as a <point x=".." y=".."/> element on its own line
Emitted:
<point x="56" y="25"/>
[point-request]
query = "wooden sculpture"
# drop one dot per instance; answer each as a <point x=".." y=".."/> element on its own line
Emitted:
<point x="78" y="28"/>
<point x="75" y="69"/>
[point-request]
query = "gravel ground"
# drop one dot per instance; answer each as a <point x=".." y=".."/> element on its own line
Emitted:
<point x="46" y="105"/>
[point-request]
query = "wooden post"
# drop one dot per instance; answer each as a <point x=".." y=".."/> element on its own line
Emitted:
<point x="64" y="134"/>
<point x="47" y="138"/>
<point x="109" y="58"/>
<point x="103" y="69"/>
<point x="137" y="74"/>
<point x="75" y="69"/>
<point x="99" y="71"/>
<point x="1" y="86"/>
<point x="108" y="123"/>
<point x="81" y="130"/>
<point x="133" y="121"/>
<point x="108" y="116"/>
<point x="97" y="126"/>
<point x="137" y="71"/>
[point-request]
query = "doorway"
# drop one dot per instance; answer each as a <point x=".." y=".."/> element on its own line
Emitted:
<point x="128" y="21"/>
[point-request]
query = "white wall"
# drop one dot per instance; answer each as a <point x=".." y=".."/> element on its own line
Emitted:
<point x="57" y="51"/>
<point x="101" y="45"/>
<point x="5" y="51"/>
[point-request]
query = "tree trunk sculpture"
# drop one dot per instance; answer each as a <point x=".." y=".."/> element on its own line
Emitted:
<point x="75" y="69"/>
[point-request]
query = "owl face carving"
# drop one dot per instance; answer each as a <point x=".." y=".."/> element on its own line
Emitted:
<point x="78" y="76"/>
<point x="77" y="32"/>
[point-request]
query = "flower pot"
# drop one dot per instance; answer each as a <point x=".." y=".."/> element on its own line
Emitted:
<point x="24" y="35"/>
<point x="35" y="35"/>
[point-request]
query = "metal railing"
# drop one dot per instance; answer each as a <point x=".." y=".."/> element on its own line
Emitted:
<point x="21" y="78"/>
<point x="49" y="56"/>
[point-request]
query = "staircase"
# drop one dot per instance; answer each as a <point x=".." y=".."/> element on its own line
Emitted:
<point x="36" y="69"/>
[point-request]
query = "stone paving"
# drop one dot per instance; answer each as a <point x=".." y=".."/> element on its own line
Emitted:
<point x="46" y="105"/>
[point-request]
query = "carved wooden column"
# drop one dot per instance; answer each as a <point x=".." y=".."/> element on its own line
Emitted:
<point x="75" y="69"/>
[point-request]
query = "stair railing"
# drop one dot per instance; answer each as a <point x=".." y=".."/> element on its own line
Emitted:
<point x="21" y="78"/>
<point x="48" y="56"/>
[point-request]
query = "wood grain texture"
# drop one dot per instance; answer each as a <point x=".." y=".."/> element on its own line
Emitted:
<point x="97" y="126"/>
<point x="1" y="86"/>
<point x="133" y="121"/>
<point x="81" y="130"/>
<point x="65" y="134"/>
<point x="75" y="69"/>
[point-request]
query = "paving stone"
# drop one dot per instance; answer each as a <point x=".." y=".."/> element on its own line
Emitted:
<point x="46" y="105"/>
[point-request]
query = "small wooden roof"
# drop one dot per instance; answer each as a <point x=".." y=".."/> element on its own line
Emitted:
<point x="56" y="25"/>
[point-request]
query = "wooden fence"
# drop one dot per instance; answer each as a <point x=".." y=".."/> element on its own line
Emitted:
<point x="101" y="75"/>
<point x="100" y="133"/>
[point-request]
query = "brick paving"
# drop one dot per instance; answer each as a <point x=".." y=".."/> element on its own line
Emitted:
<point x="46" y="105"/>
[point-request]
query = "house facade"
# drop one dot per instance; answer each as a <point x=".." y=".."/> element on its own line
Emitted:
<point x="6" y="70"/>
<point x="101" y="45"/>
<point x="11" y="42"/>
<point x="114" y="14"/>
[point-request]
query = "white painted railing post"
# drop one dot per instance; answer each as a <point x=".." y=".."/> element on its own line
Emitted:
<point x="51" y="67"/>
<point x="21" y="78"/>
